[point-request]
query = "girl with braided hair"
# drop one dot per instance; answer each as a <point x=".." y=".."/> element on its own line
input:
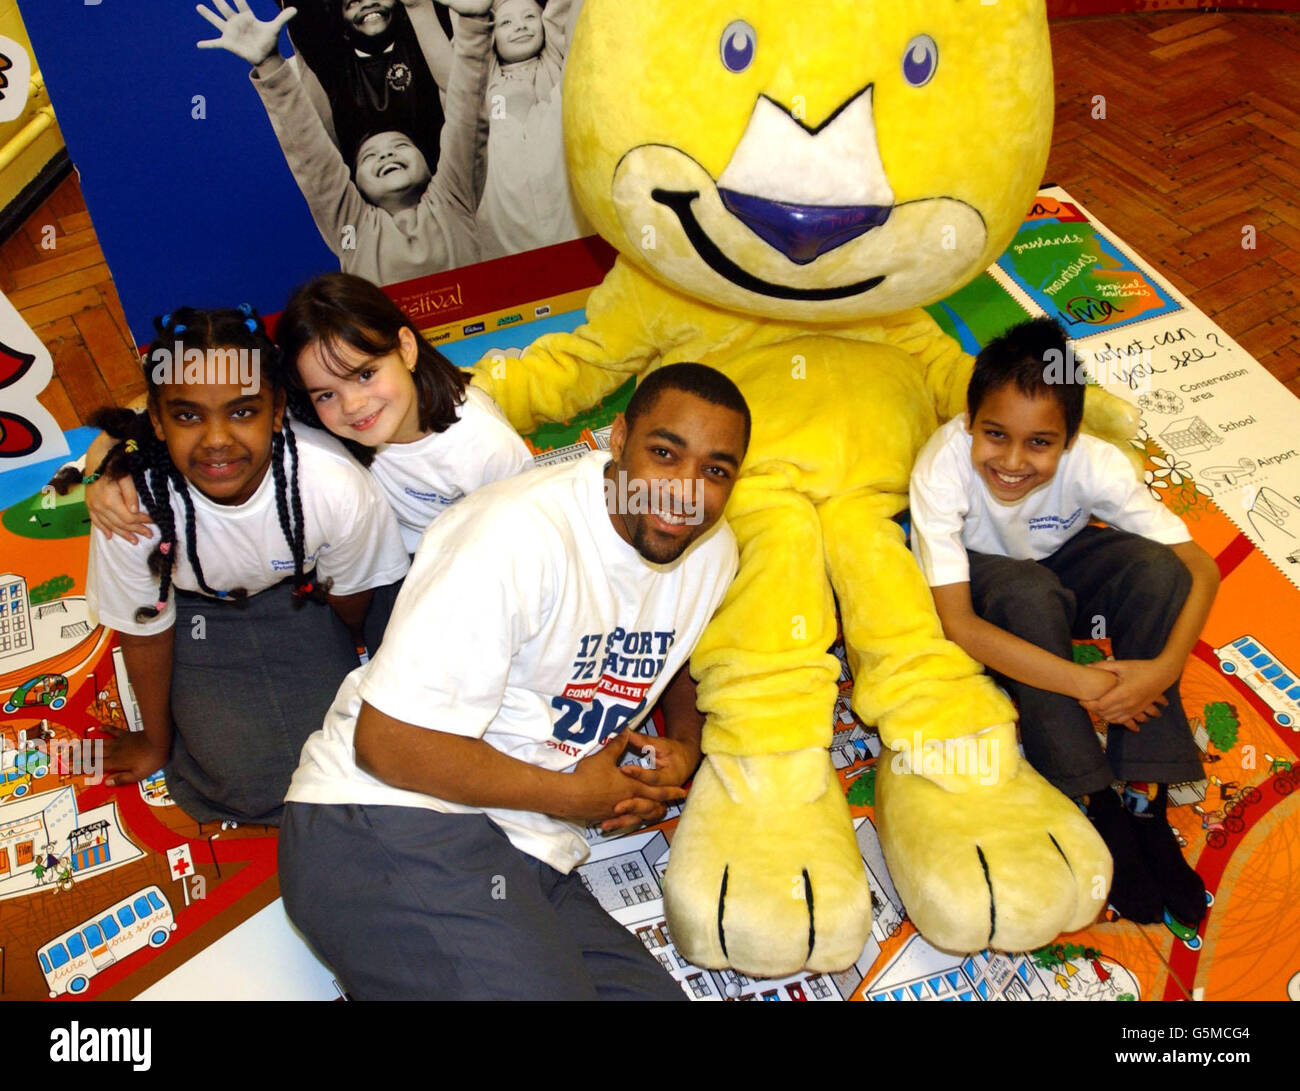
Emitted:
<point x="356" y="366"/>
<point x="238" y="615"/>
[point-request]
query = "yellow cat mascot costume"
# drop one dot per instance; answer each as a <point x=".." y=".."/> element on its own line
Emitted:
<point x="787" y="184"/>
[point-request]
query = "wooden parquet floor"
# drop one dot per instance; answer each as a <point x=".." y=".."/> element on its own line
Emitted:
<point x="1200" y="140"/>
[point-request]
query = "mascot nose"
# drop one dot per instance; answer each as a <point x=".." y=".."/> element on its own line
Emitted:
<point x="803" y="190"/>
<point x="803" y="233"/>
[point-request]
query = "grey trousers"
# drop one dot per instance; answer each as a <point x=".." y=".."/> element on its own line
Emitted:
<point x="250" y="683"/>
<point x="411" y="904"/>
<point x="1137" y="587"/>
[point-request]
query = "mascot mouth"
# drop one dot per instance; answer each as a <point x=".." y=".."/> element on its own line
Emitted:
<point x="856" y="222"/>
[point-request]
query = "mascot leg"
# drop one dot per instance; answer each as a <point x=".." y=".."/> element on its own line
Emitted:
<point x="765" y="873"/>
<point x="983" y="851"/>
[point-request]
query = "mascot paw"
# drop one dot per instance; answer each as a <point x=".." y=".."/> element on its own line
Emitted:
<point x="1011" y="865"/>
<point x="765" y="873"/>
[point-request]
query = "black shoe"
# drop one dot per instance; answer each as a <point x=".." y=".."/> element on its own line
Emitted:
<point x="1134" y="892"/>
<point x="1181" y="888"/>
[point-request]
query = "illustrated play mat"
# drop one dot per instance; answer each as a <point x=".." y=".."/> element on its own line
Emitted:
<point x="116" y="893"/>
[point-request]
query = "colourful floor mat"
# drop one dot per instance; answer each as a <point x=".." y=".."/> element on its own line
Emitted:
<point x="116" y="893"/>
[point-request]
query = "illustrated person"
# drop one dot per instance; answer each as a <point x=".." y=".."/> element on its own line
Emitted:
<point x="239" y="616"/>
<point x="1001" y="501"/>
<point x="387" y="217"/>
<point x="443" y="800"/>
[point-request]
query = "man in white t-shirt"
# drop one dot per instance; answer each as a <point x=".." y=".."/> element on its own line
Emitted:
<point x="434" y="822"/>
<point x="1001" y="502"/>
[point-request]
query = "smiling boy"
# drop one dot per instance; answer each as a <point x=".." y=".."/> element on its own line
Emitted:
<point x="443" y="801"/>
<point x="1002" y="499"/>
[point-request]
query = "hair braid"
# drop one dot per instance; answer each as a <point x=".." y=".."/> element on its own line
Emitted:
<point x="317" y="590"/>
<point x="236" y="594"/>
<point x="282" y="500"/>
<point x="141" y="455"/>
<point x="151" y="483"/>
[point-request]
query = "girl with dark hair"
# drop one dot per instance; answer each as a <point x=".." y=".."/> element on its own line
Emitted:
<point x="357" y="366"/>
<point x="237" y="617"/>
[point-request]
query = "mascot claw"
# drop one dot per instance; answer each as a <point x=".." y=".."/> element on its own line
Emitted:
<point x="1009" y="866"/>
<point x="765" y="873"/>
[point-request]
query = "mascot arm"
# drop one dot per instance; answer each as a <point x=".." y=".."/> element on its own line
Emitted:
<point x="946" y="367"/>
<point x="947" y="371"/>
<point x="560" y="374"/>
<point x="1114" y="420"/>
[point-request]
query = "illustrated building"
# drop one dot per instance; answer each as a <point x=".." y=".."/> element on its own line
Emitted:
<point x="628" y="879"/>
<point x="988" y="975"/>
<point x="1189" y="436"/>
<point x="15" y="616"/>
<point x="27" y="826"/>
<point x="89" y="845"/>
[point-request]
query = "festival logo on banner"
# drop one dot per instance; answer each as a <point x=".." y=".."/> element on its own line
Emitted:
<point x="1048" y="208"/>
<point x="1078" y="276"/>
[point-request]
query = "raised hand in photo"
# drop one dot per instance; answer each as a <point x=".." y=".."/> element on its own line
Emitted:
<point x="242" y="32"/>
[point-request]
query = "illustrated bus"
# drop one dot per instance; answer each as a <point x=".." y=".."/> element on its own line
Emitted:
<point x="142" y="919"/>
<point x="1276" y="685"/>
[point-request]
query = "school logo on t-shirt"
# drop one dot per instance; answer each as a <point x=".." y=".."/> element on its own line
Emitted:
<point x="1055" y="522"/>
<point x="432" y="497"/>
<point x="399" y="76"/>
<point x="611" y="676"/>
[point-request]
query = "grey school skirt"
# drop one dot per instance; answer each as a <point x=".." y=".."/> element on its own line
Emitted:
<point x="250" y="683"/>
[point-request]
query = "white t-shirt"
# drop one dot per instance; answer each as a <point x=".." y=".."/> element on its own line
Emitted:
<point x="953" y="510"/>
<point x="350" y="536"/>
<point x="526" y="622"/>
<point x="423" y="479"/>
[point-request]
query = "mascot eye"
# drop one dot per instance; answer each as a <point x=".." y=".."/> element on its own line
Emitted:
<point x="738" y="44"/>
<point x="920" y="60"/>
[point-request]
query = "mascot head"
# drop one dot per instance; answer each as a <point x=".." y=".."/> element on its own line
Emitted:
<point x="817" y="161"/>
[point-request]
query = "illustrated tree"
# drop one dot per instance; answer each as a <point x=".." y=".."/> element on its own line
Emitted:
<point x="1221" y="724"/>
<point x="1047" y="958"/>
<point x="862" y="792"/>
<point x="1088" y="653"/>
<point x="51" y="589"/>
<point x="1057" y="955"/>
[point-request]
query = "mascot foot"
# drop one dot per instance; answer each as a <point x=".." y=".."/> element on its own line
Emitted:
<point x="765" y="873"/>
<point x="1009" y="865"/>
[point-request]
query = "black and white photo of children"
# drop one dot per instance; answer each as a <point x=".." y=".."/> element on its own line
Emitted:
<point x="384" y="213"/>
<point x="364" y="64"/>
<point x="526" y="203"/>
